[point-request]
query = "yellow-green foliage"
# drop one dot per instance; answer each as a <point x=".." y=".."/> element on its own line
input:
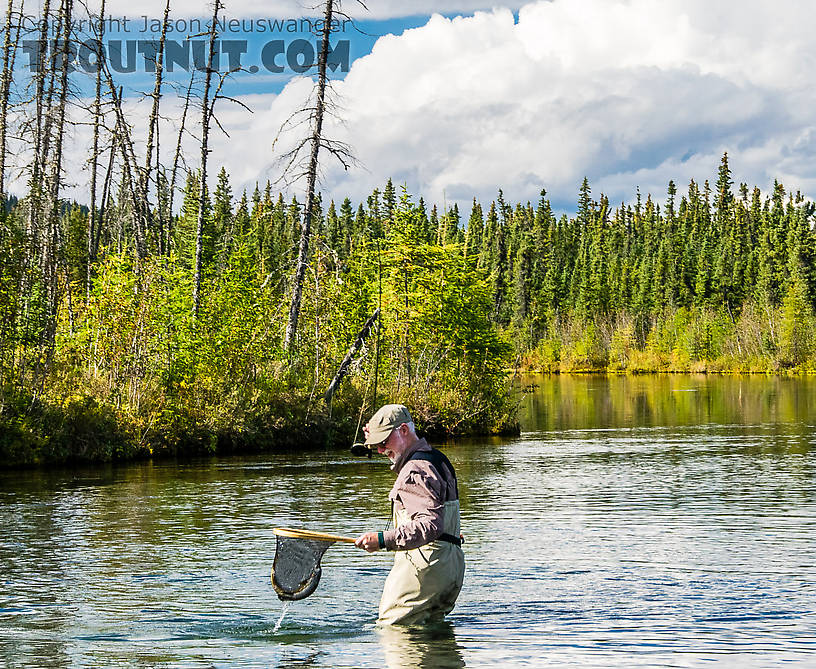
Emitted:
<point x="622" y="345"/>
<point x="135" y="373"/>
<point x="761" y="339"/>
<point x="796" y="328"/>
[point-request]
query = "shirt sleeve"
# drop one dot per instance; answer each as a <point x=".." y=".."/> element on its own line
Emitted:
<point x="421" y="494"/>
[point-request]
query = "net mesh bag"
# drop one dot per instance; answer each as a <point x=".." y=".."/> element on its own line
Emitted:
<point x="296" y="569"/>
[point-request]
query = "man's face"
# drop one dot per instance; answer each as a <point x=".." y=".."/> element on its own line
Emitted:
<point x="394" y="446"/>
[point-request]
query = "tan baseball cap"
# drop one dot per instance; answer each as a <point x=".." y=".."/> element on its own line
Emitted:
<point x="384" y="422"/>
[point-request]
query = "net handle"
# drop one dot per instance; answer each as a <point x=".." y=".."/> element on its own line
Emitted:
<point x="310" y="534"/>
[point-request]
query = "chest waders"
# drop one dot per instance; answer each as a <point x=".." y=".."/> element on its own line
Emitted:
<point x="424" y="582"/>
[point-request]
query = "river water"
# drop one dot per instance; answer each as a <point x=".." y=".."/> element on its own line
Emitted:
<point x="637" y="521"/>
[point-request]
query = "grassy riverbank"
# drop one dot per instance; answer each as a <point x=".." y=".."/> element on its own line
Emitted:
<point x="81" y="428"/>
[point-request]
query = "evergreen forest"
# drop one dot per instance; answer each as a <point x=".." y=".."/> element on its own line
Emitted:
<point x="719" y="279"/>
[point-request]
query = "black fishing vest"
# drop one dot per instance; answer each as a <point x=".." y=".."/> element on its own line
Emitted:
<point x="437" y="459"/>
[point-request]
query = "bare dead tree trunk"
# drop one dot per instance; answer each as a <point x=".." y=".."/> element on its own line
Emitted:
<point x="103" y="204"/>
<point x="123" y="137"/>
<point x="54" y="226"/>
<point x="39" y="84"/>
<point x="92" y="223"/>
<point x="46" y="214"/>
<point x="65" y="67"/>
<point x="152" y="126"/>
<point x="33" y="260"/>
<point x="177" y="157"/>
<point x="9" y="56"/>
<point x="35" y="188"/>
<point x="205" y="133"/>
<point x="161" y="199"/>
<point x="126" y="147"/>
<point x="48" y="102"/>
<point x="305" y="231"/>
<point x="358" y="343"/>
<point x="407" y="326"/>
<point x="129" y="166"/>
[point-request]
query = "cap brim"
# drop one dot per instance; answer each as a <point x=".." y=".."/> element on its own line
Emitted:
<point x="374" y="440"/>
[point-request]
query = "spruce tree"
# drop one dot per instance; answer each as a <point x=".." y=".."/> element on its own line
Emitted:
<point x="346" y="227"/>
<point x="292" y="233"/>
<point x="334" y="233"/>
<point x="374" y="215"/>
<point x="423" y="221"/>
<point x="488" y="238"/>
<point x="242" y="218"/>
<point x="256" y="201"/>
<point x="222" y="212"/>
<point x="186" y="227"/>
<point x="361" y="222"/>
<point x="473" y="234"/>
<point x="389" y="200"/>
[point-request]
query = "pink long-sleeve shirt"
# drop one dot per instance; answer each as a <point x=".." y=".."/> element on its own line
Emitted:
<point x="422" y="492"/>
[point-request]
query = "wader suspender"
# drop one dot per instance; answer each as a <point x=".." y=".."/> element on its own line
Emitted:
<point x="437" y="458"/>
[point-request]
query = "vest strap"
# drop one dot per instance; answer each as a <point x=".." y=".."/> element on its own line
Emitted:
<point x="437" y="458"/>
<point x="456" y="541"/>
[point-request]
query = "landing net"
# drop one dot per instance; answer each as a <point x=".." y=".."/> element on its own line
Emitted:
<point x="296" y="570"/>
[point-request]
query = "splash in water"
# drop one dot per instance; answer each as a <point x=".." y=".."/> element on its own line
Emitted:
<point x="286" y="606"/>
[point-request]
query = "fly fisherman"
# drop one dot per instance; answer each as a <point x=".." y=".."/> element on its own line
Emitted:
<point x="428" y="563"/>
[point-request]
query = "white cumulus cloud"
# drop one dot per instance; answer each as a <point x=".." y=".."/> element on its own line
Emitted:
<point x="627" y="92"/>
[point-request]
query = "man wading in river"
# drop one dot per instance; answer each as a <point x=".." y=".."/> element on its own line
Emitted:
<point x="428" y="564"/>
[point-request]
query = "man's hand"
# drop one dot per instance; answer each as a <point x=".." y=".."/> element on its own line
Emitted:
<point x="369" y="542"/>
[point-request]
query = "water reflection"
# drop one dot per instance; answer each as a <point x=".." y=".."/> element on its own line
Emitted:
<point x="293" y="657"/>
<point x="428" y="647"/>
<point x="597" y="402"/>
<point x="635" y="520"/>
